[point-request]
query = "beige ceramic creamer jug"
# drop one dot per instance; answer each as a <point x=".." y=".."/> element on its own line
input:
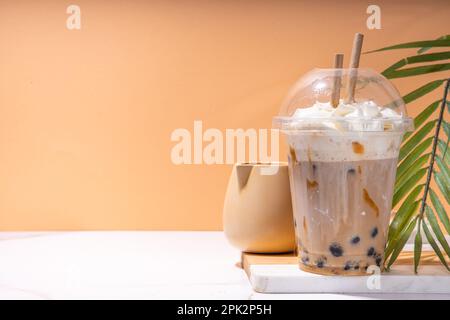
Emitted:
<point x="257" y="212"/>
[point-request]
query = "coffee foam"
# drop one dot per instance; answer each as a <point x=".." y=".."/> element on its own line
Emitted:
<point x="364" y="110"/>
<point x="357" y="116"/>
<point x="344" y="146"/>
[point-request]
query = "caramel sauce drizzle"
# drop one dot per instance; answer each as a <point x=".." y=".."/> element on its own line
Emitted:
<point x="292" y="153"/>
<point x="370" y="202"/>
<point x="311" y="184"/>
<point x="309" y="154"/>
<point x="357" y="147"/>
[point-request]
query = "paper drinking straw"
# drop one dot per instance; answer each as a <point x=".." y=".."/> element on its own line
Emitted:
<point x="354" y="64"/>
<point x="336" y="93"/>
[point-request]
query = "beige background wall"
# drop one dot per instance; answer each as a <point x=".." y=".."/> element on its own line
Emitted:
<point x="86" y="116"/>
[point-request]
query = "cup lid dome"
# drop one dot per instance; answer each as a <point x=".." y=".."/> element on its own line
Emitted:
<point x="376" y="105"/>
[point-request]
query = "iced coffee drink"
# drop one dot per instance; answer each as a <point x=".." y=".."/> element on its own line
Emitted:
<point x="342" y="163"/>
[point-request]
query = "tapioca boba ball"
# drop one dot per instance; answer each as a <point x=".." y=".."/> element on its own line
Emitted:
<point x="320" y="263"/>
<point x="355" y="240"/>
<point x="351" y="265"/>
<point x="336" y="249"/>
<point x="374" y="232"/>
<point x="348" y="265"/>
<point x="378" y="259"/>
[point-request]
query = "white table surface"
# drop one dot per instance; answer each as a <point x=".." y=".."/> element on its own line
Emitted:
<point x="132" y="265"/>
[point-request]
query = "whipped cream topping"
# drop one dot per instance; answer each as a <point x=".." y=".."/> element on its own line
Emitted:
<point x="324" y="133"/>
<point x="360" y="116"/>
<point x="361" y="110"/>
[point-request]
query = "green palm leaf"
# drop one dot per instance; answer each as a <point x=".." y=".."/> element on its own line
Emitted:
<point x="413" y="155"/>
<point x="417" y="59"/>
<point x="417" y="247"/>
<point x="423" y="116"/>
<point x="443" y="185"/>
<point x="400" y="243"/>
<point x="423" y="90"/>
<point x="443" y="149"/>
<point x="405" y="211"/>
<point x="402" y="220"/>
<point x="409" y="72"/>
<point x="443" y="169"/>
<point x="440" y="210"/>
<point x="412" y="169"/>
<point x="416" y="161"/>
<point x="407" y="186"/>
<point x="446" y="127"/>
<point x="437" y="230"/>
<point x="415" y="139"/>
<point x="424" y="49"/>
<point x="434" y="246"/>
<point x="426" y="113"/>
<point x="417" y="44"/>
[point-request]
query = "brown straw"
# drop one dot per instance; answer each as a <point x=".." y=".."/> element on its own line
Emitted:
<point x="354" y="64"/>
<point x="335" y="94"/>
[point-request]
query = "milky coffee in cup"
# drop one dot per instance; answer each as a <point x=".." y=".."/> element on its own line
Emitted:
<point x="342" y="166"/>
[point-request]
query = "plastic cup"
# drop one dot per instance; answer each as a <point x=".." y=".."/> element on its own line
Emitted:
<point x="342" y="168"/>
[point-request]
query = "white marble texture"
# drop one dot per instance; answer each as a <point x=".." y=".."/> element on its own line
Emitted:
<point x="290" y="279"/>
<point x="131" y="265"/>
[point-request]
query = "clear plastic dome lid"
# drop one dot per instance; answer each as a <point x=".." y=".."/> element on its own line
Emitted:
<point x="345" y="100"/>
